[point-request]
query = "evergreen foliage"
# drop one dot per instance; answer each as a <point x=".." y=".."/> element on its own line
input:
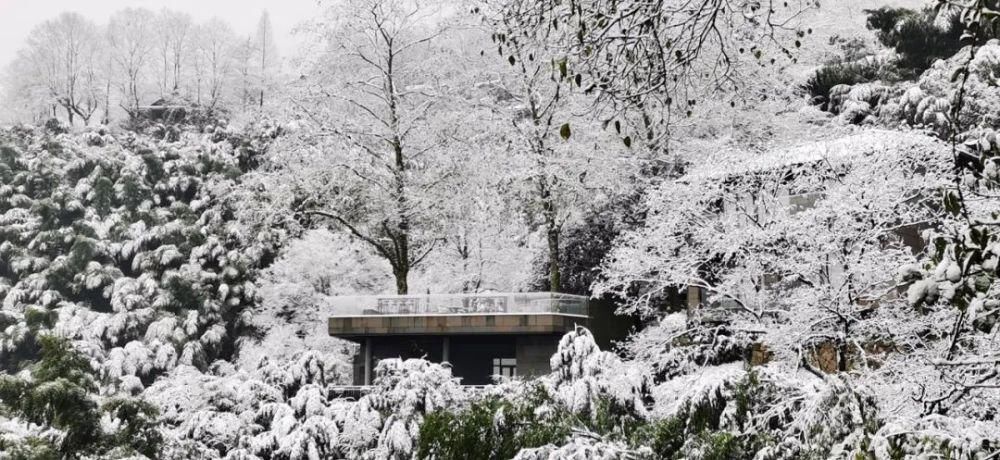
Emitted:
<point x="916" y="36"/>
<point x="120" y="258"/>
<point x="744" y="417"/>
<point x="497" y="428"/>
<point x="821" y="83"/>
<point x="126" y="247"/>
<point x="59" y="392"/>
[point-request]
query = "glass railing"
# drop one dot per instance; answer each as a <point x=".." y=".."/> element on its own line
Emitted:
<point x="458" y="304"/>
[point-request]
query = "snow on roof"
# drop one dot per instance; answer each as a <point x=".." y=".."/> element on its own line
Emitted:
<point x="838" y="150"/>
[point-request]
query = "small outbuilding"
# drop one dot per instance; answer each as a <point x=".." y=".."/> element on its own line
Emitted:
<point x="480" y="335"/>
<point x="165" y="110"/>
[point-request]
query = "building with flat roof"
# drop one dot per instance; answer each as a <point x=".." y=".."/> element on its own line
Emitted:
<point x="479" y="335"/>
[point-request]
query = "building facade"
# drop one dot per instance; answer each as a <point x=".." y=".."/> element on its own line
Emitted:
<point x="480" y="335"/>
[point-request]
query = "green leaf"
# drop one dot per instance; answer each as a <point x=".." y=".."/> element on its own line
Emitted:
<point x="564" y="131"/>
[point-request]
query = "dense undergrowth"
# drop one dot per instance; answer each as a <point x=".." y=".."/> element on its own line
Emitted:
<point x="122" y="244"/>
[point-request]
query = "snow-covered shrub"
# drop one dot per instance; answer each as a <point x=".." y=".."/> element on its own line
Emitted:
<point x="385" y="423"/>
<point x="581" y="447"/>
<point x="822" y="83"/>
<point x="713" y="412"/>
<point x="288" y="409"/>
<point x="936" y="436"/>
<point x="919" y="37"/>
<point x="927" y="103"/>
<point x="499" y="425"/>
<point x="589" y="391"/>
<point x="124" y="247"/>
<point x="854" y="103"/>
<point x="674" y="347"/>
<point x="53" y="407"/>
<point x="278" y="410"/>
<point x="766" y="413"/>
<point x="583" y="375"/>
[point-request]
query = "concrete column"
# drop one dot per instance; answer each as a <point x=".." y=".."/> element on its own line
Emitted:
<point x="445" y="349"/>
<point x="368" y="360"/>
<point x="693" y="300"/>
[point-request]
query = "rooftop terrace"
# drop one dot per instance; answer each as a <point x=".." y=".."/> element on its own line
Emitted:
<point x="444" y="314"/>
<point x="459" y="304"/>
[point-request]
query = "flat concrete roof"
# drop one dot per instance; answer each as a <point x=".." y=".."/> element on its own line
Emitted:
<point x="350" y="327"/>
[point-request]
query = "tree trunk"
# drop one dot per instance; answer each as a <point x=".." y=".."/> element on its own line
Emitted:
<point x="842" y="350"/>
<point x="463" y="254"/>
<point x="177" y="71"/>
<point x="401" y="274"/>
<point x="402" y="239"/>
<point x="555" y="280"/>
<point x="107" y="104"/>
<point x="552" y="231"/>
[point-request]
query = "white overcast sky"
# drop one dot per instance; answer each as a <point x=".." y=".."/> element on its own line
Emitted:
<point x="17" y="17"/>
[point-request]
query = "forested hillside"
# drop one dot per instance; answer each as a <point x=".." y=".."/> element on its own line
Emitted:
<point x="125" y="245"/>
<point x="797" y="203"/>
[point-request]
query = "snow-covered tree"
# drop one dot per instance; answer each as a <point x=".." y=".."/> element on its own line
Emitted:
<point x="958" y="286"/>
<point x="485" y="244"/>
<point x="651" y="66"/>
<point x="268" y="61"/>
<point x="290" y="409"/>
<point x="244" y="61"/>
<point x="72" y="68"/>
<point x="800" y="245"/>
<point x="276" y="409"/>
<point x="371" y="157"/>
<point x="296" y="289"/>
<point x="385" y="423"/>
<point x="171" y="45"/>
<point x="583" y="374"/>
<point x="61" y="59"/>
<point x="130" y="38"/>
<point x="55" y="411"/>
<point x="548" y="143"/>
<point x="212" y="61"/>
<point x="121" y="244"/>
